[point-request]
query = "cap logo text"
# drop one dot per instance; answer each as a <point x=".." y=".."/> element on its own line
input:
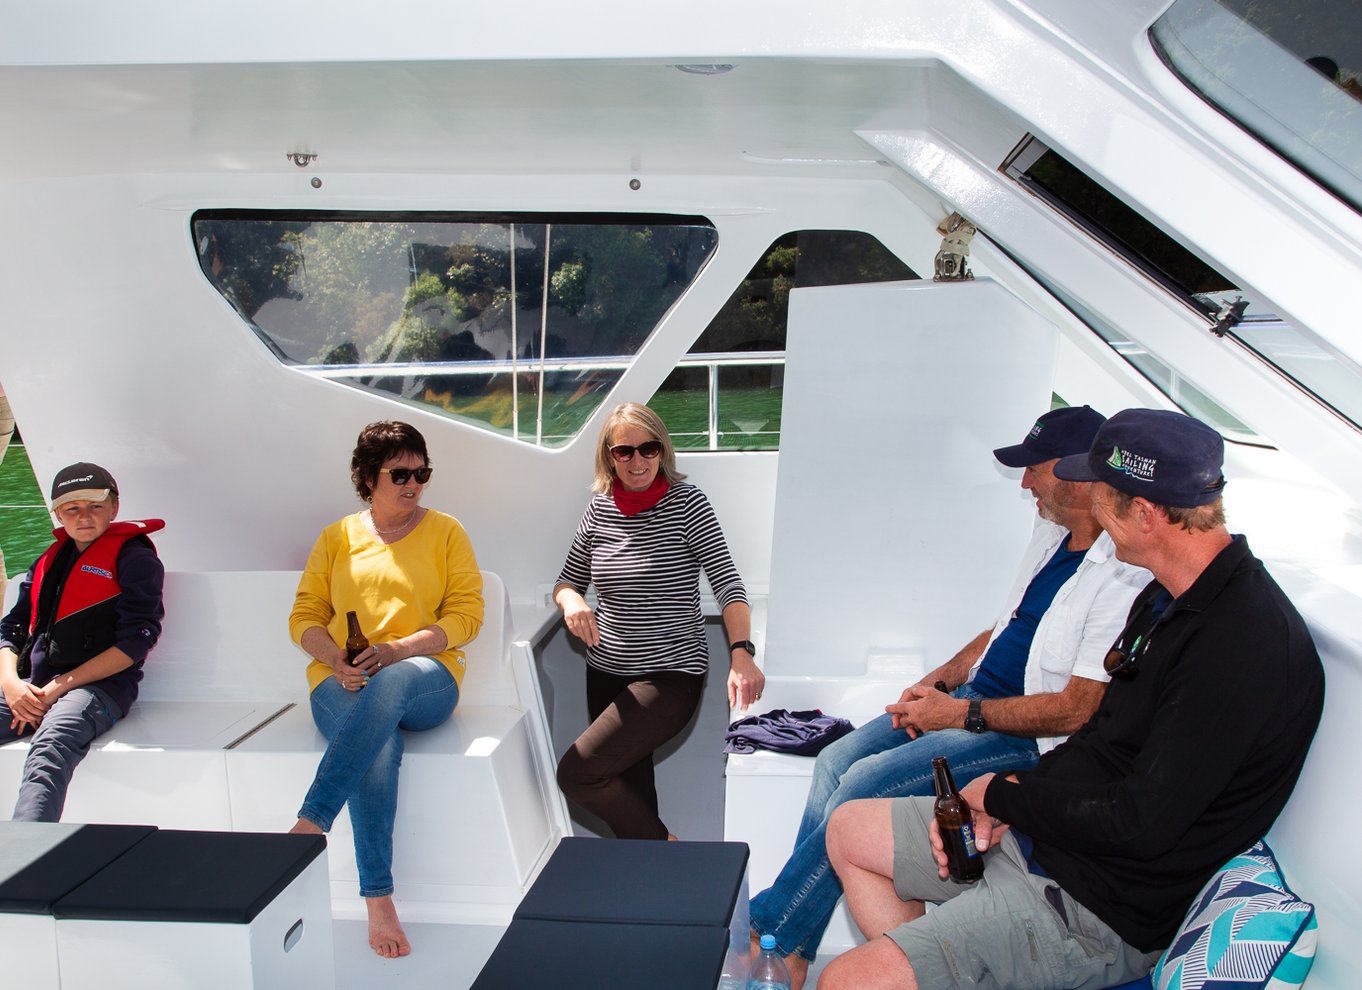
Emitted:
<point x="1133" y="465"/>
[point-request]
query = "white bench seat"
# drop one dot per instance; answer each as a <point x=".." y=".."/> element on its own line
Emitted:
<point x="764" y="792"/>
<point x="222" y="738"/>
<point x="162" y="765"/>
<point x="469" y="813"/>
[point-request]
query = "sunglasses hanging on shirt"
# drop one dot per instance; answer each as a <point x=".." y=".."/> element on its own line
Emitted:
<point x="1121" y="659"/>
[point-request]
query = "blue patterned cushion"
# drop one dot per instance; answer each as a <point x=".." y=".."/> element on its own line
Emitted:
<point x="1246" y="930"/>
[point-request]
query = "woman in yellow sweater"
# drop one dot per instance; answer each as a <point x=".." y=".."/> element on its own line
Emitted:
<point x="410" y="576"/>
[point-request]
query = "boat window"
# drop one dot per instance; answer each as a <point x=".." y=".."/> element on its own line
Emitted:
<point x="1289" y="74"/>
<point x="1068" y="189"/>
<point x="520" y="324"/>
<point x="726" y="393"/>
<point x="1232" y="312"/>
<point x="1187" y="396"/>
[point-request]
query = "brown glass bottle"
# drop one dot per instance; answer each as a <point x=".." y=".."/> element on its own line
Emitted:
<point x="355" y="643"/>
<point x="956" y="824"/>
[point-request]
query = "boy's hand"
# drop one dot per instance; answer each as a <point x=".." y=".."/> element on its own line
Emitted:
<point x="27" y="706"/>
<point x="49" y="693"/>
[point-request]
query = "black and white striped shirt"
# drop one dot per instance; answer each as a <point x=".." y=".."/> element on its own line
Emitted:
<point x="646" y="569"/>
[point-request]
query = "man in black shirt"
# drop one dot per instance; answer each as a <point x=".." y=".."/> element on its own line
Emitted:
<point x="1095" y="855"/>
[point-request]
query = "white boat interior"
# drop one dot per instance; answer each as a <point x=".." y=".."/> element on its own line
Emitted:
<point x="231" y="238"/>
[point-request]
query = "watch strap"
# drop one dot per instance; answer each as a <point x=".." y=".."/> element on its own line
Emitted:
<point x="743" y="644"/>
<point x="974" y="718"/>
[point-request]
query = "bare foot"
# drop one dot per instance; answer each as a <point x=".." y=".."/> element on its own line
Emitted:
<point x="305" y="827"/>
<point x="386" y="936"/>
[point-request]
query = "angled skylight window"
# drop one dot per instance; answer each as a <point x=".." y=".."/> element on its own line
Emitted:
<point x="1288" y="72"/>
<point x="1074" y="193"/>
<point x="1231" y="311"/>
<point x="517" y="323"/>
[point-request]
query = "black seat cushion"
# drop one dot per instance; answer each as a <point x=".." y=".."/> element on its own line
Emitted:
<point x="579" y="955"/>
<point x="639" y="882"/>
<point x="35" y="888"/>
<point x="224" y="877"/>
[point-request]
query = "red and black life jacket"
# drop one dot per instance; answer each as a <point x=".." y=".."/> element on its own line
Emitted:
<point x="84" y="622"/>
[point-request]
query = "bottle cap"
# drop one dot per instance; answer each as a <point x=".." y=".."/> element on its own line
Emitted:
<point x="768" y="942"/>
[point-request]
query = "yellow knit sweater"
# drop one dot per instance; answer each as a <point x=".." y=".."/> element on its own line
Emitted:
<point x="429" y="577"/>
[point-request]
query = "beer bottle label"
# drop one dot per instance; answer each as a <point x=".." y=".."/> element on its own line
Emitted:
<point x="967" y="833"/>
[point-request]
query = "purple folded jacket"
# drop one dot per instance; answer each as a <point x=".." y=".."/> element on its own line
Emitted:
<point x="801" y="733"/>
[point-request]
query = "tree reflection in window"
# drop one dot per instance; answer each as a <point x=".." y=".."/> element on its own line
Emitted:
<point x="1287" y="71"/>
<point x="520" y="324"/>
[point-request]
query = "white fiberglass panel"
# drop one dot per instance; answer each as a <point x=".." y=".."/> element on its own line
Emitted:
<point x="896" y="531"/>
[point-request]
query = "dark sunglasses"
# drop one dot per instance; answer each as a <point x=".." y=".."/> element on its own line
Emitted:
<point x="1121" y="659"/>
<point x="400" y="475"/>
<point x="623" y="451"/>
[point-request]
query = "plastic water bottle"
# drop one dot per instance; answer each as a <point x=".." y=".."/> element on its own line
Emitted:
<point x="768" y="971"/>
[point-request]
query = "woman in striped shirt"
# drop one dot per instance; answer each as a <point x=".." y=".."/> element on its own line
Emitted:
<point x="642" y="542"/>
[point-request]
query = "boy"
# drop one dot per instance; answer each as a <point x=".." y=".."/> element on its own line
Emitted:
<point x="88" y="613"/>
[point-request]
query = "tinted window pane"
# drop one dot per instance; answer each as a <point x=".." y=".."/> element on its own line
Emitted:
<point x="683" y="404"/>
<point x="749" y="406"/>
<point x="1254" y="322"/>
<point x="475" y="317"/>
<point x="720" y="397"/>
<point x="1288" y="71"/>
<point x="1191" y="399"/>
<point x="754" y="317"/>
<point x="1071" y="191"/>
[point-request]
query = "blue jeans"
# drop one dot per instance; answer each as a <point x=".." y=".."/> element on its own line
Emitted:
<point x="361" y="763"/>
<point x="875" y="761"/>
<point x="60" y="743"/>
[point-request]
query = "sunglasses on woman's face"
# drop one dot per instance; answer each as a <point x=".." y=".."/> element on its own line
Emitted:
<point x="623" y="451"/>
<point x="400" y="475"/>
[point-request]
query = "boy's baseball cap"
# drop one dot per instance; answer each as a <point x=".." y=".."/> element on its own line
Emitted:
<point x="85" y="481"/>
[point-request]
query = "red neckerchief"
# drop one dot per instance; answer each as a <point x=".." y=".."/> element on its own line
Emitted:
<point x="632" y="503"/>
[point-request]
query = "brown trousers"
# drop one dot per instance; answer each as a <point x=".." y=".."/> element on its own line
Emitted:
<point x="608" y="771"/>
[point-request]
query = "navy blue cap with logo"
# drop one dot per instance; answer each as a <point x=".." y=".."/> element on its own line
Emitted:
<point x="1058" y="433"/>
<point x="1166" y="457"/>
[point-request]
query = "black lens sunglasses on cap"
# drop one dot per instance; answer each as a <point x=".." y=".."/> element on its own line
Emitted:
<point x="624" y="451"/>
<point x="400" y="475"/>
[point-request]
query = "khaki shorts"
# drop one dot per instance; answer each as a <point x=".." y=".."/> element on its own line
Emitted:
<point x="1011" y="930"/>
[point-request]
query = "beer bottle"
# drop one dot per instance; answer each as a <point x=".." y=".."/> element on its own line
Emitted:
<point x="956" y="826"/>
<point x="356" y="643"/>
